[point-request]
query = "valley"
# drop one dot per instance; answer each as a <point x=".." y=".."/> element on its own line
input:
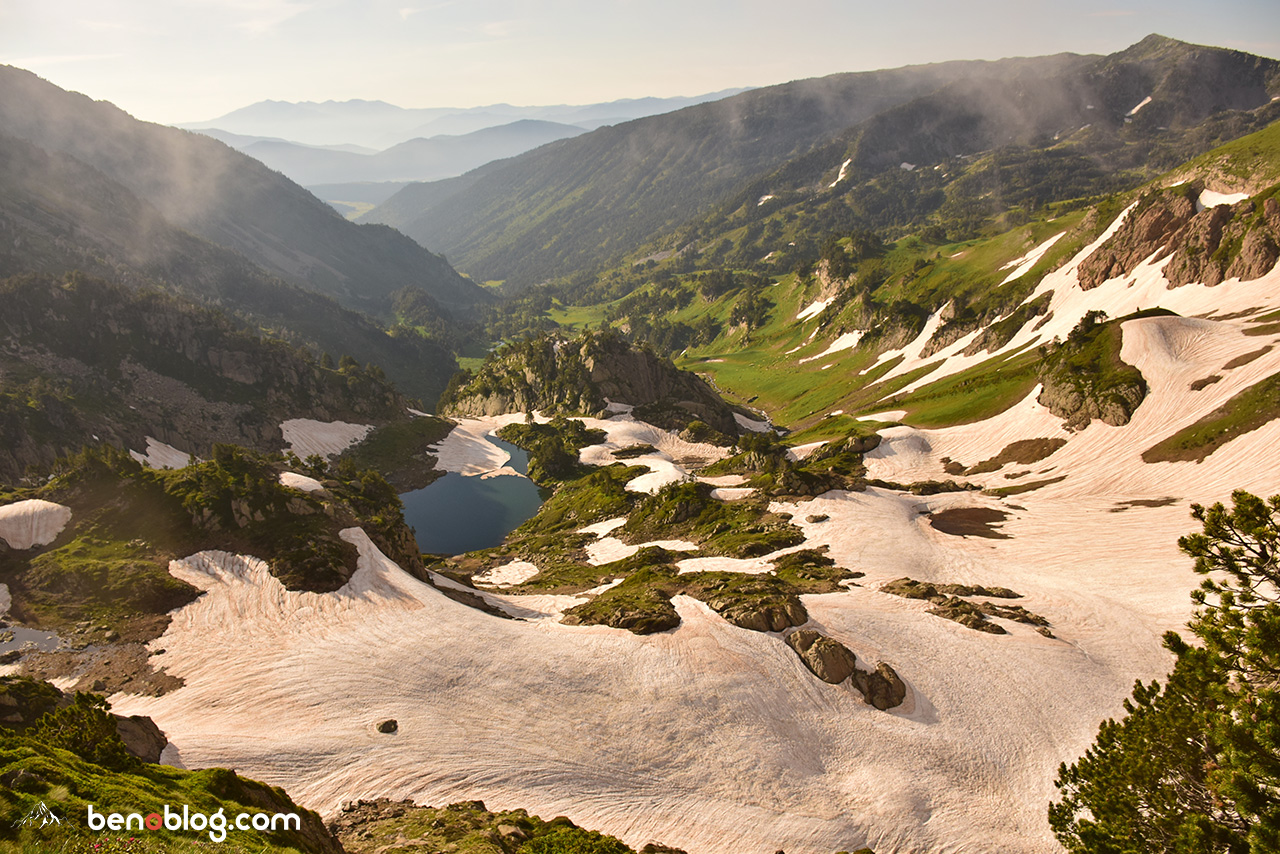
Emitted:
<point x="843" y="432"/>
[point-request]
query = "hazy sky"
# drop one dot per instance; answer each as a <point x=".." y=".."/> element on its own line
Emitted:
<point x="188" y="60"/>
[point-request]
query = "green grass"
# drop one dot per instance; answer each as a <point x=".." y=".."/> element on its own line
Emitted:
<point x="979" y="393"/>
<point x="1257" y="405"/>
<point x="67" y="784"/>
<point x="576" y="318"/>
<point x="1253" y="159"/>
<point x="466" y="828"/>
<point x="99" y="578"/>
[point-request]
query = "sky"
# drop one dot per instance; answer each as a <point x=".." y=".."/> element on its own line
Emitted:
<point x="177" y="61"/>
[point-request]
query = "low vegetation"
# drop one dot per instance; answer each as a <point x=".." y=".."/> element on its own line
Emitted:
<point x="401" y="451"/>
<point x="553" y="448"/>
<point x="72" y="757"/>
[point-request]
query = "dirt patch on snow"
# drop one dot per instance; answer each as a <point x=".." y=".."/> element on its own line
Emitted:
<point x="970" y="522"/>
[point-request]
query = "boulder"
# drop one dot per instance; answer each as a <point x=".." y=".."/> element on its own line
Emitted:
<point x="882" y="687"/>
<point x="829" y="660"/>
<point x="141" y="737"/>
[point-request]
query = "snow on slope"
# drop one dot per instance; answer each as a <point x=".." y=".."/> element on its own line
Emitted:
<point x="305" y="436"/>
<point x="162" y="456"/>
<point x="1139" y="106"/>
<point x="844" y="342"/>
<point x="33" y="522"/>
<point x="844" y="169"/>
<point x="1024" y="263"/>
<point x="714" y="738"/>
<point x="637" y="735"/>
<point x="1210" y="199"/>
<point x="1145" y="287"/>
<point x="813" y="309"/>
<point x="670" y="462"/>
<point x="468" y="451"/>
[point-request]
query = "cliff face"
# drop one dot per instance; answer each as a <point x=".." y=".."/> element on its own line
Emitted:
<point x="581" y="377"/>
<point x="1208" y="245"/>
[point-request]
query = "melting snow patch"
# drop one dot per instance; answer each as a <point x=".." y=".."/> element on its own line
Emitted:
<point x="750" y="424"/>
<point x="300" y="481"/>
<point x="844" y="342"/>
<point x="731" y="493"/>
<point x="507" y="575"/>
<point x="33" y="522"/>
<point x="844" y="169"/>
<point x="1026" y="262"/>
<point x="162" y="456"/>
<point x="325" y="438"/>
<point x="747" y="566"/>
<point x="596" y="591"/>
<point x="1210" y="199"/>
<point x="814" y="309"/>
<point x="468" y="451"/>
<point x="1141" y="104"/>
<point x="599" y="529"/>
<point x="764" y="199"/>
<point x="609" y="549"/>
<point x="799" y="452"/>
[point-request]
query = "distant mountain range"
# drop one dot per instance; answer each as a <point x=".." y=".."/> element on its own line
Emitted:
<point x="416" y="159"/>
<point x="591" y="201"/>
<point x="379" y="125"/>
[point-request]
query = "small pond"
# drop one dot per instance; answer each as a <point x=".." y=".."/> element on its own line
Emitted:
<point x="459" y="514"/>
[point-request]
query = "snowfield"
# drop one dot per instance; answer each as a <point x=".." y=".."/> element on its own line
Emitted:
<point x="305" y="436"/>
<point x="33" y="522"/>
<point x="717" y="739"/>
<point x="162" y="456"/>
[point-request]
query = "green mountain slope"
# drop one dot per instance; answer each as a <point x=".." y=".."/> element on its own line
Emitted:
<point x="85" y="362"/>
<point x="58" y="215"/>
<point x="575" y="202"/>
<point x="587" y="202"/>
<point x="213" y="191"/>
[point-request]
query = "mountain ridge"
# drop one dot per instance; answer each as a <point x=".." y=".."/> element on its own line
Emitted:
<point x="542" y="215"/>
<point x="202" y="185"/>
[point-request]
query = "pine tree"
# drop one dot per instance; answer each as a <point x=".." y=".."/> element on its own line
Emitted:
<point x="1195" y="766"/>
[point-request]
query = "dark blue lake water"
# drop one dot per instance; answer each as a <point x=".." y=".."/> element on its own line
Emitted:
<point x="459" y="514"/>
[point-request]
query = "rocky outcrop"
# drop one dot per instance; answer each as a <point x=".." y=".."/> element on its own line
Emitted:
<point x="1073" y="402"/>
<point x="832" y="662"/>
<point x="881" y="687"/>
<point x="761" y="616"/>
<point x="578" y="377"/>
<point x="829" y="660"/>
<point x="639" y="609"/>
<point x="1208" y="245"/>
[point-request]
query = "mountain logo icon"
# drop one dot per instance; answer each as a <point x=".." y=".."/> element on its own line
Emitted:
<point x="40" y="816"/>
